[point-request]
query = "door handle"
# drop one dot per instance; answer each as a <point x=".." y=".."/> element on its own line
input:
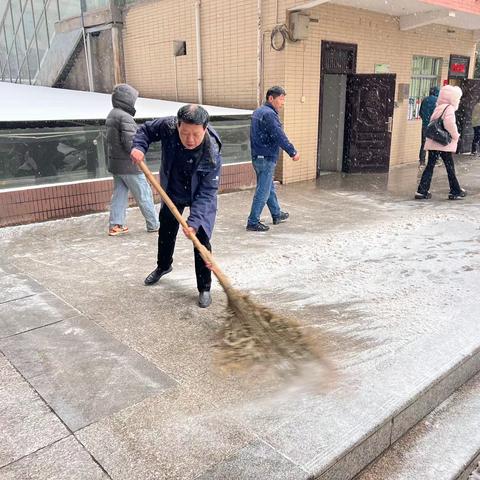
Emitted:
<point x="389" y="124"/>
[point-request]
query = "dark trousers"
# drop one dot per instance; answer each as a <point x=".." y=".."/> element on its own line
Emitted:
<point x="167" y="236"/>
<point x="426" y="179"/>
<point x="476" y="139"/>
<point x="422" y="153"/>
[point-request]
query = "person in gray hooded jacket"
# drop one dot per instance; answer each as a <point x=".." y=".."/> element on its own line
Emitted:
<point x="121" y="129"/>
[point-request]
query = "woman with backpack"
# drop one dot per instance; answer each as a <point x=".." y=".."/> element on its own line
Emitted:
<point x="447" y="105"/>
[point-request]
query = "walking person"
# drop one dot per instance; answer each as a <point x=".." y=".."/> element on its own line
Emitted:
<point x="426" y="109"/>
<point x="476" y="128"/>
<point x="189" y="173"/>
<point x="266" y="139"/>
<point x="447" y="105"/>
<point x="121" y="128"/>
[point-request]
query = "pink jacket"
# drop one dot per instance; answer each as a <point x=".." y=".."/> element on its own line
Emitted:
<point x="449" y="97"/>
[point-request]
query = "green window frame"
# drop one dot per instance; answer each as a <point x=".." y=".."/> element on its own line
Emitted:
<point x="426" y="73"/>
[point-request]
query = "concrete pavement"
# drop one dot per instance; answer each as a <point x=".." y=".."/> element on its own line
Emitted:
<point x="103" y="377"/>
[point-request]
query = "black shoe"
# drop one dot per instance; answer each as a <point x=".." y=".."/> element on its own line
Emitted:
<point x="204" y="299"/>
<point x="281" y="218"/>
<point x="259" y="227"/>
<point x="156" y="275"/>
<point x="423" y="196"/>
<point x="457" y="196"/>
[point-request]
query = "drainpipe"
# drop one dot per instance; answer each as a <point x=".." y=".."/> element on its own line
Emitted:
<point x="259" y="52"/>
<point x="199" y="52"/>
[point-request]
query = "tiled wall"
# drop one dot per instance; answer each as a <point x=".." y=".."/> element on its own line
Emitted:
<point x="379" y="41"/>
<point x="229" y="51"/>
<point x="229" y="55"/>
<point x="59" y="201"/>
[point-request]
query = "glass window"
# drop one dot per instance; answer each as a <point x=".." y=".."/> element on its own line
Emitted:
<point x="20" y="51"/>
<point x="51" y="155"/>
<point x="235" y="136"/>
<point x="9" y="32"/>
<point x="96" y="4"/>
<point x="52" y="18"/>
<point x="38" y="7"/>
<point x="425" y="75"/>
<point x="42" y="38"/>
<point x="32" y="60"/>
<point x="17" y="12"/>
<point x="28" y="23"/>
<point x="47" y="155"/>
<point x="12" y="62"/>
<point x="3" y="51"/>
<point x="24" y="78"/>
<point x="69" y="8"/>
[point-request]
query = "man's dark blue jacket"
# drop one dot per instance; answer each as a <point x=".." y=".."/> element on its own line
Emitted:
<point x="267" y="135"/>
<point x="205" y="176"/>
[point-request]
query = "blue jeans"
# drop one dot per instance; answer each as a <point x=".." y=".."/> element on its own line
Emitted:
<point x="265" y="190"/>
<point x="142" y="193"/>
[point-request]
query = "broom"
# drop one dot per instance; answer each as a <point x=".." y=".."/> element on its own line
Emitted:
<point x="251" y="334"/>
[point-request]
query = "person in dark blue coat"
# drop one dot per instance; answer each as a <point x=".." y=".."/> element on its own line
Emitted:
<point x="426" y="109"/>
<point x="189" y="173"/>
<point x="266" y="139"/>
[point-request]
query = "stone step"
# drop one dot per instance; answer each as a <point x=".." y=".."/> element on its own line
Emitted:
<point x="445" y="445"/>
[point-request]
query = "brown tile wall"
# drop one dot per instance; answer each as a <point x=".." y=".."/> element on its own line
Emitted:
<point x="229" y="55"/>
<point x="60" y="201"/>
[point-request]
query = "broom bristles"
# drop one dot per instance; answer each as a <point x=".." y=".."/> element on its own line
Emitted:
<point x="254" y="335"/>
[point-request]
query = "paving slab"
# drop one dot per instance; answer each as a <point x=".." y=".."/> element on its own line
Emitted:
<point x="63" y="460"/>
<point x="31" y="312"/>
<point x="174" y="436"/>
<point x="7" y="269"/>
<point x="81" y="371"/>
<point x="26" y="422"/>
<point x="15" y="286"/>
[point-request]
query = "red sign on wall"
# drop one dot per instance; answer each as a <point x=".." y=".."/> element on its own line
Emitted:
<point x="458" y="67"/>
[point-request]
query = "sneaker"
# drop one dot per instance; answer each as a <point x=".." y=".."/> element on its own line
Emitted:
<point x="259" y="227"/>
<point x="457" y="196"/>
<point x="153" y="230"/>
<point x="281" y="218"/>
<point x="423" y="196"/>
<point x="117" y="230"/>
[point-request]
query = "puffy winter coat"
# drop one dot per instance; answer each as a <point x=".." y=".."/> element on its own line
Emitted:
<point x="121" y="129"/>
<point x="448" y="101"/>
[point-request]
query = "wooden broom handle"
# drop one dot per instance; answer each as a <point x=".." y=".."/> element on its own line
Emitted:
<point x="204" y="253"/>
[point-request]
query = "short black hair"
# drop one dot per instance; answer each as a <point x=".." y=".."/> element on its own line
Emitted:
<point x="193" y="114"/>
<point x="275" y="92"/>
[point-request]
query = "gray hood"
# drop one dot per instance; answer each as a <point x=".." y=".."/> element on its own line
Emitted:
<point x="124" y="96"/>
